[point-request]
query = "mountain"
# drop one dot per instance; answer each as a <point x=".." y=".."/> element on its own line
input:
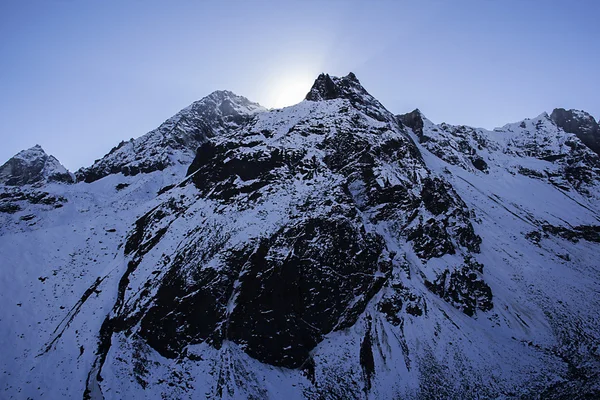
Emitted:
<point x="537" y="147"/>
<point x="175" y="141"/>
<point x="330" y="249"/>
<point x="23" y="179"/>
<point x="33" y="166"/>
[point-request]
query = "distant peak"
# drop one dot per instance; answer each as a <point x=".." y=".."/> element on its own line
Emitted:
<point x="222" y="94"/>
<point x="418" y="112"/>
<point x="37" y="148"/>
<point x="229" y="101"/>
<point x="33" y="165"/>
<point x="226" y="94"/>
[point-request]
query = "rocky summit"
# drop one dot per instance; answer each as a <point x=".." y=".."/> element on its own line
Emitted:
<point x="327" y="250"/>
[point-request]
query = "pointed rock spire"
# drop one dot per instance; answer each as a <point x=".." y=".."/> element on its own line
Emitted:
<point x="348" y="87"/>
<point x="329" y="88"/>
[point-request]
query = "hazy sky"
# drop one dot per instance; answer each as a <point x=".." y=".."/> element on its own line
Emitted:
<point x="79" y="76"/>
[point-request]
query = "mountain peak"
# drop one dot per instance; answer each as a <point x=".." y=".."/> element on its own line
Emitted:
<point x="581" y="123"/>
<point x="175" y="141"/>
<point x="328" y="88"/>
<point x="225" y="103"/>
<point x="223" y="95"/>
<point x="348" y="87"/>
<point x="414" y="120"/>
<point x="31" y="166"/>
<point x="31" y="153"/>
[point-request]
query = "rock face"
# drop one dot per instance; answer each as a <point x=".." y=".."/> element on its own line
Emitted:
<point x="176" y="140"/>
<point x="334" y="192"/>
<point x="33" y="166"/>
<point x="325" y="250"/>
<point x="581" y="124"/>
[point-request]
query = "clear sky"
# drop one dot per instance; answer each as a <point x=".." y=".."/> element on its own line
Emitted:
<point x="77" y="77"/>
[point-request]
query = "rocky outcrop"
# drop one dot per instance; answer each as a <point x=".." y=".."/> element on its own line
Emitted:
<point x="581" y="124"/>
<point x="348" y="87"/>
<point x="414" y="120"/>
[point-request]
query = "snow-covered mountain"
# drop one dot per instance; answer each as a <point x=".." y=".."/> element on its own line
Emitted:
<point x="176" y="140"/>
<point x="536" y="147"/>
<point x="33" y="166"/>
<point x="329" y="249"/>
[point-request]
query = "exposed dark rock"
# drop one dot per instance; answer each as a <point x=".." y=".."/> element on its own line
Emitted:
<point x="9" y="208"/>
<point x="414" y="120"/>
<point x="13" y="196"/>
<point x="27" y="217"/>
<point x="534" y="237"/>
<point x="284" y="297"/>
<point x="367" y="361"/>
<point x="531" y="173"/>
<point x="323" y="89"/>
<point x="348" y="87"/>
<point x="433" y="237"/>
<point x="398" y="298"/>
<point x="479" y="163"/>
<point x="464" y="288"/>
<point x="430" y="240"/>
<point x="591" y="233"/>
<point x="165" y="189"/>
<point x="581" y="124"/>
<point x="215" y="172"/>
<point x="146" y="233"/>
<point x="436" y="197"/>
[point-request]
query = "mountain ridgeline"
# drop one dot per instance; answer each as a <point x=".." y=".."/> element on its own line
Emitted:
<point x="330" y="249"/>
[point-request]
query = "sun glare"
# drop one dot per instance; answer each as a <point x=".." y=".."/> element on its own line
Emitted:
<point x="289" y="89"/>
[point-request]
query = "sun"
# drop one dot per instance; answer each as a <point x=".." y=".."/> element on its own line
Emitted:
<point x="288" y="89"/>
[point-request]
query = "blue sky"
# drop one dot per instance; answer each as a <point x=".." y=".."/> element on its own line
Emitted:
<point x="79" y="76"/>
